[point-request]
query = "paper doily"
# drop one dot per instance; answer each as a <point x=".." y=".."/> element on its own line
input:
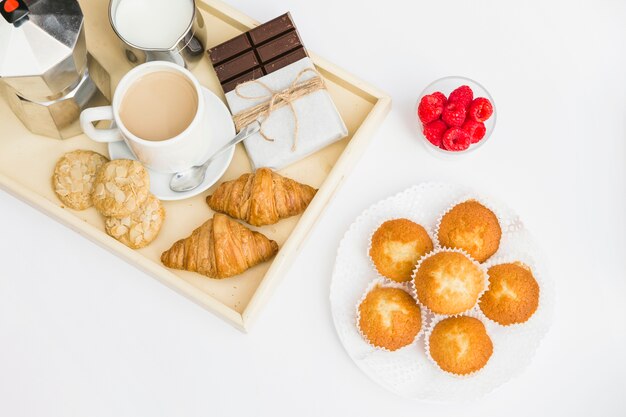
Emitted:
<point x="408" y="372"/>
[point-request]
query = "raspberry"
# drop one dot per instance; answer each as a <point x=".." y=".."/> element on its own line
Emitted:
<point x="463" y="95"/>
<point x="434" y="131"/>
<point x="476" y="130"/>
<point x="430" y="107"/>
<point x="440" y="95"/>
<point x="453" y="114"/>
<point x="480" y="110"/>
<point x="456" y="139"/>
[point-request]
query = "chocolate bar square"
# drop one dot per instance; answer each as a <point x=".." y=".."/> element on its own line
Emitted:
<point x="258" y="52"/>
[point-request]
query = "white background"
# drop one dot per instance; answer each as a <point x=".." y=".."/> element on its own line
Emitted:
<point x="84" y="334"/>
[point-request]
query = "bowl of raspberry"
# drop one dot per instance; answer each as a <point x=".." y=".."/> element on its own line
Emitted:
<point x="457" y="116"/>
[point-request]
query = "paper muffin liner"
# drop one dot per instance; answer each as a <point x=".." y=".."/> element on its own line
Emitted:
<point x="530" y="262"/>
<point x="384" y="283"/>
<point x="412" y="217"/>
<point x="475" y="313"/>
<point x="505" y="226"/>
<point x="446" y="249"/>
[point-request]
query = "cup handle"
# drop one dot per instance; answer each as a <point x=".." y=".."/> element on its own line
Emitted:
<point x="88" y="116"/>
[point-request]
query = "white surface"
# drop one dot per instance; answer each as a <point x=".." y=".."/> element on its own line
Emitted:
<point x="153" y="23"/>
<point x="407" y="371"/>
<point x="84" y="334"/>
<point x="222" y="131"/>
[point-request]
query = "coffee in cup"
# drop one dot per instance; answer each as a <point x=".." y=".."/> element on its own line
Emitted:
<point x="159" y="106"/>
<point x="159" y="111"/>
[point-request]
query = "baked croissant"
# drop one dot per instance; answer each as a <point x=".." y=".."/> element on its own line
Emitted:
<point x="261" y="198"/>
<point x="220" y="248"/>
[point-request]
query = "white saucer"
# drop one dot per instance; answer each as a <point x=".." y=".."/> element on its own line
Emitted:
<point x="221" y="130"/>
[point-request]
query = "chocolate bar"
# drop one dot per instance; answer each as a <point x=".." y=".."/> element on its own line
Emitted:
<point x="273" y="54"/>
<point x="258" y="52"/>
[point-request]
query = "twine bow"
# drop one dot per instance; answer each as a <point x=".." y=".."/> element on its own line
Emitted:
<point x="277" y="100"/>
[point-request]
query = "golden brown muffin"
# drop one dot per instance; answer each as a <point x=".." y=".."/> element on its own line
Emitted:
<point x="449" y="282"/>
<point x="513" y="294"/>
<point x="472" y="227"/>
<point x="460" y="345"/>
<point x="397" y="245"/>
<point x="389" y="318"/>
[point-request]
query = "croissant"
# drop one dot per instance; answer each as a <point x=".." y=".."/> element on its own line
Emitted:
<point x="220" y="248"/>
<point x="261" y="198"/>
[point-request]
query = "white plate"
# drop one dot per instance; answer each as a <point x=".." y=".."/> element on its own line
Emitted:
<point x="221" y="130"/>
<point x="407" y="372"/>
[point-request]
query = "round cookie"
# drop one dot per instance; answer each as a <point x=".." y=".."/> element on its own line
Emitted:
<point x="139" y="228"/>
<point x="472" y="227"/>
<point x="513" y="294"/>
<point x="449" y="282"/>
<point x="389" y="318"/>
<point x="74" y="175"/>
<point x="396" y="246"/>
<point x="121" y="186"/>
<point x="460" y="345"/>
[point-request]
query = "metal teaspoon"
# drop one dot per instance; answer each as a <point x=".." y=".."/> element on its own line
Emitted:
<point x="191" y="178"/>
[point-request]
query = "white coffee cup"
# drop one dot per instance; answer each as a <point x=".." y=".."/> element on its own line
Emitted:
<point x="188" y="148"/>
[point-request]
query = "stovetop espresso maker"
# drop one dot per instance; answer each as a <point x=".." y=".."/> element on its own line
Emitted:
<point x="46" y="73"/>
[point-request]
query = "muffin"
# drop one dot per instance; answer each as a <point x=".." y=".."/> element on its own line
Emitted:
<point x="472" y="227"/>
<point x="460" y="345"/>
<point x="449" y="282"/>
<point x="396" y="246"/>
<point x="513" y="294"/>
<point x="389" y="318"/>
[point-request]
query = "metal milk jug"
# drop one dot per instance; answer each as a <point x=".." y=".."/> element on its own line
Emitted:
<point x="159" y="30"/>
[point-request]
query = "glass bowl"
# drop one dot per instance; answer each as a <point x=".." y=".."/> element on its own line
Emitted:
<point x="446" y="85"/>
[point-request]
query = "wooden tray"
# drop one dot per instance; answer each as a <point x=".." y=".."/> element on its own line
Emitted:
<point x="27" y="162"/>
